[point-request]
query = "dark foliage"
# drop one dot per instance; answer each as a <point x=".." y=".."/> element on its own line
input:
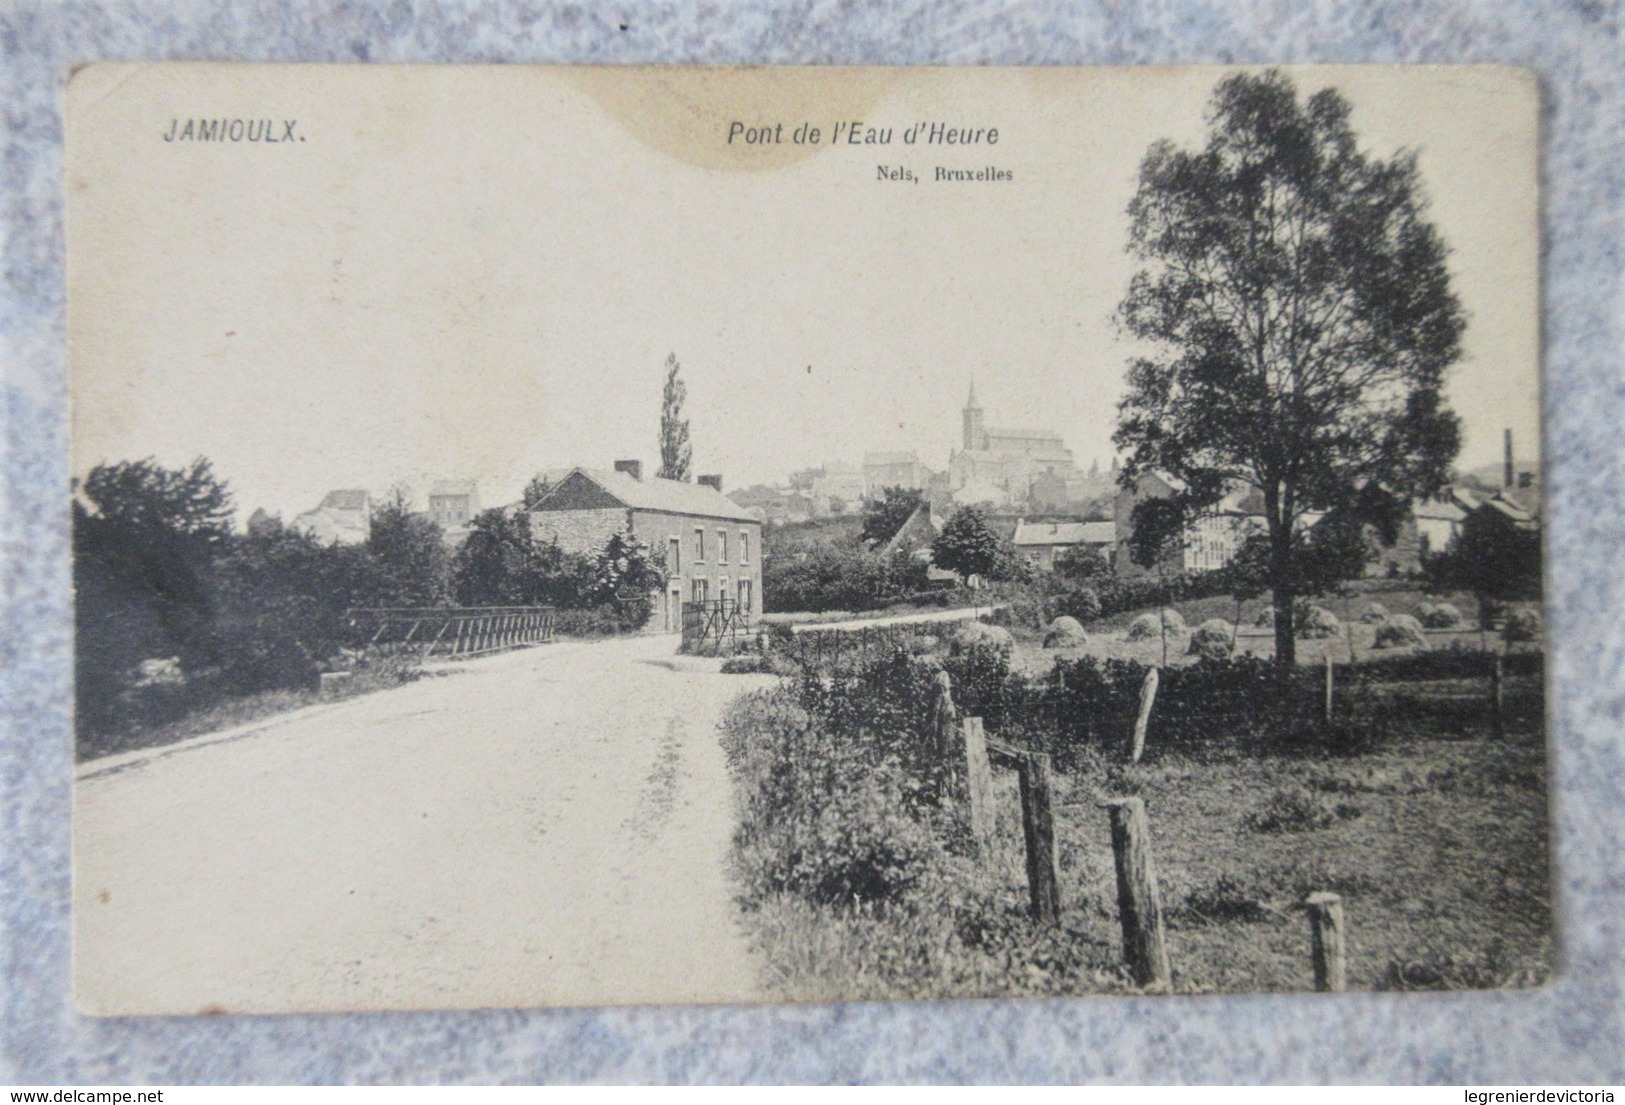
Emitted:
<point x="883" y="517"/>
<point x="835" y="575"/>
<point x="1492" y="557"/>
<point x="1300" y="306"/>
<point x="159" y="576"/>
<point x="410" y="564"/>
<point x="970" y="544"/>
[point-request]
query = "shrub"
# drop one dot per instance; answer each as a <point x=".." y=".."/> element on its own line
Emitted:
<point x="923" y="645"/>
<point x="1214" y="639"/>
<point x="1373" y="613"/>
<point x="592" y="622"/>
<point x="1146" y="626"/>
<point x="832" y="782"/>
<point x="1025" y="611"/>
<point x="1312" y="621"/>
<point x="1265" y="619"/>
<point x="1439" y="615"/>
<point x="1400" y="631"/>
<point x="979" y="662"/>
<point x="1065" y="632"/>
<point x="1118" y="595"/>
<point x="832" y="575"/>
<point x="748" y="664"/>
<point x="1521" y="625"/>
<point x="971" y="636"/>
<point x="1072" y="600"/>
<point x="265" y="658"/>
<point x="1291" y="811"/>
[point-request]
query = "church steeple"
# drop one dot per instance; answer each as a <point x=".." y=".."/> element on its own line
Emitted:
<point x="974" y="438"/>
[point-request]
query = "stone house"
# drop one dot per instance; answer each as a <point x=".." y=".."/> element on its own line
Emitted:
<point x="712" y="545"/>
<point x="344" y="517"/>
<point x="1042" y="542"/>
<point x="894" y="469"/>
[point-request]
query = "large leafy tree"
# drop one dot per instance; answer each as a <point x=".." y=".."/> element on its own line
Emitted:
<point x="145" y="539"/>
<point x="1494" y="557"/>
<point x="493" y="563"/>
<point x="970" y="544"/>
<point x="410" y="564"/>
<point x="1298" y="320"/>
<point x="675" y="451"/>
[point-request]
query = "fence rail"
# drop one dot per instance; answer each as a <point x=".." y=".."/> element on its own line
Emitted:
<point x="451" y="631"/>
<point x="714" y="626"/>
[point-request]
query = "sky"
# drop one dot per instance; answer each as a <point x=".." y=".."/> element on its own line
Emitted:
<point x="480" y="272"/>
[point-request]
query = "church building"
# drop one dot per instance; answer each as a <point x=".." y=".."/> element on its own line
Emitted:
<point x="1002" y="466"/>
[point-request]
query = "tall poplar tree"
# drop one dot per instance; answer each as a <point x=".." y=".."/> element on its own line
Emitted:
<point x="675" y="451"/>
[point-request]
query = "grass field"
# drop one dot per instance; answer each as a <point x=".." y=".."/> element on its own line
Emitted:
<point x="1434" y="834"/>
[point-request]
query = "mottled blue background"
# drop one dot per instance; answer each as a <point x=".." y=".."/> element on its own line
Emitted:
<point x="1570" y="1031"/>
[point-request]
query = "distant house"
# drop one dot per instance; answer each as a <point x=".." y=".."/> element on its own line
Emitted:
<point x="344" y="518"/>
<point x="915" y="534"/>
<point x="1210" y="542"/>
<point x="1042" y="542"/>
<point x="838" y="490"/>
<point x="453" y="503"/>
<point x="1438" y="522"/>
<point x="712" y="545"/>
<point x="774" y="505"/>
<point x="894" y="469"/>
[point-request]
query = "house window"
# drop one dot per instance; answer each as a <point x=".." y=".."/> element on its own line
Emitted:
<point x="745" y="596"/>
<point x="699" y="545"/>
<point x="722" y="546"/>
<point x="722" y="592"/>
<point x="698" y="590"/>
<point x="744" y="547"/>
<point x="674" y="556"/>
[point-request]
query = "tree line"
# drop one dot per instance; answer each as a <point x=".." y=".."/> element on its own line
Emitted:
<point x="160" y="574"/>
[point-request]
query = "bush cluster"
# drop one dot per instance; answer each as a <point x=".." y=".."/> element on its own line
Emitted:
<point x="836" y="575"/>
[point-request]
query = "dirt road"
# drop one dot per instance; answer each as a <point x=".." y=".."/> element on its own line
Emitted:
<point x="547" y="826"/>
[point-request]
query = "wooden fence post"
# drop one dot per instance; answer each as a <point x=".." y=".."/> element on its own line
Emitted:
<point x="945" y="727"/>
<point x="1329" y="685"/>
<point x="1326" y="941"/>
<point x="1148" y="696"/>
<point x="979" y="787"/>
<point x="1038" y="830"/>
<point x="1497" y="700"/>
<point x="1139" y="905"/>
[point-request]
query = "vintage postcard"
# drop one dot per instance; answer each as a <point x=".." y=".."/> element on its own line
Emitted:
<point x="561" y="536"/>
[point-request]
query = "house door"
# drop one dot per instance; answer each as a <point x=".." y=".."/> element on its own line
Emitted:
<point x="674" y="608"/>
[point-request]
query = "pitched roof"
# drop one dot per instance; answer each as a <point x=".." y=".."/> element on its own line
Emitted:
<point x="452" y="487"/>
<point x="1446" y="511"/>
<point x="655" y="493"/>
<point x="345" y="499"/>
<point x="1065" y="533"/>
<point x="1512" y="511"/>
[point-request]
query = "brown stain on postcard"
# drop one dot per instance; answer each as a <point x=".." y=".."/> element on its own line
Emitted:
<point x="689" y="114"/>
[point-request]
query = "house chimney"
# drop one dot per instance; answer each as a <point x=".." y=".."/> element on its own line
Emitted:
<point x="633" y="468"/>
<point x="713" y="482"/>
<point x="1506" y="470"/>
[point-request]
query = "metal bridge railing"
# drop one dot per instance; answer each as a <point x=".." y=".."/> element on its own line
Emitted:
<point x="452" y="631"/>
